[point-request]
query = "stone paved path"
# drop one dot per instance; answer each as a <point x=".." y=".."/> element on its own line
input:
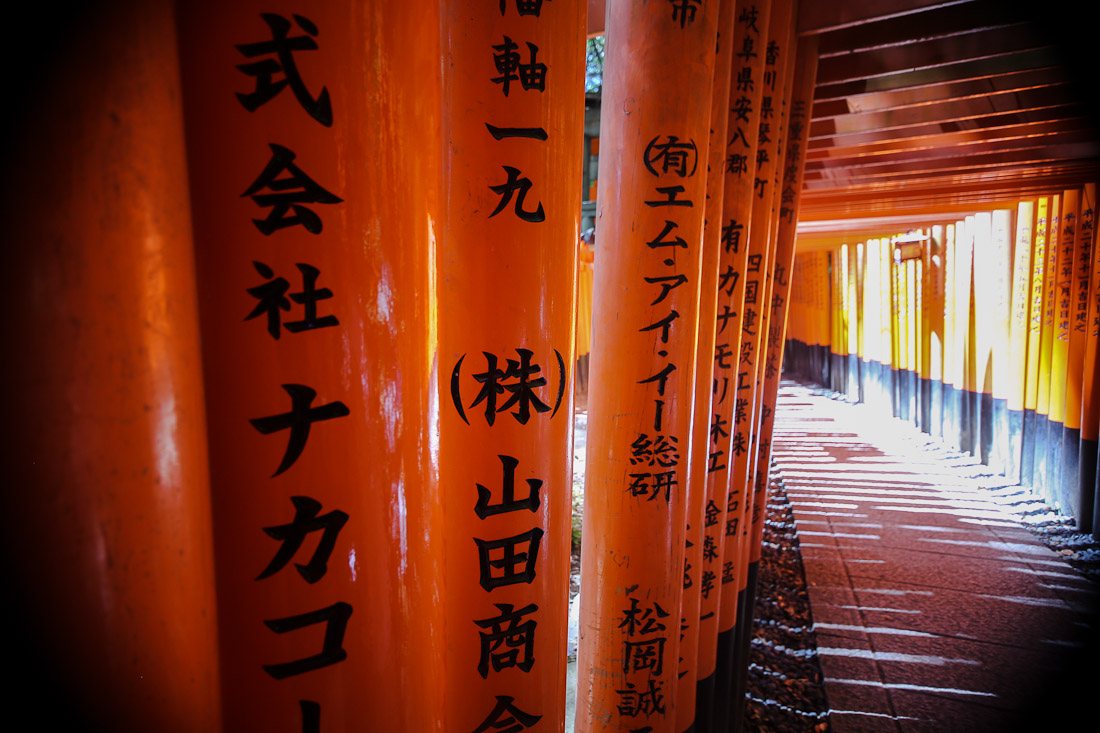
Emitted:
<point x="934" y="608"/>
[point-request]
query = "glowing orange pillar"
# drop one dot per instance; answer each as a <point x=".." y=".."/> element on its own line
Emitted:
<point x="798" y="130"/>
<point x="702" y="548"/>
<point x="777" y="55"/>
<point x="507" y="277"/>
<point x="653" y="151"/>
<point x="1042" y="447"/>
<point x="1017" y="337"/>
<point x="1083" y="254"/>
<point x="755" y="274"/>
<point x="778" y="76"/>
<point x="108" y="554"/>
<point x="718" y="611"/>
<point x="763" y="409"/>
<point x="314" y="179"/>
<point x="1060" y="350"/>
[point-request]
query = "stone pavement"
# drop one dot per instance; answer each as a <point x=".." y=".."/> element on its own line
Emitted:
<point x="934" y="607"/>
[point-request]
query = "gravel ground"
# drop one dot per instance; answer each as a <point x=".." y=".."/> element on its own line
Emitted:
<point x="785" y="688"/>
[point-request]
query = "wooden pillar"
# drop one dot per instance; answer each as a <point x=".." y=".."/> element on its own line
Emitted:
<point x="777" y="81"/>
<point x="724" y="500"/>
<point x="653" y="153"/>
<point x="999" y="263"/>
<point x="939" y="328"/>
<point x="703" y="531"/>
<point x="507" y="278"/>
<point x="107" y="548"/>
<point x="1041" y="444"/>
<point x="964" y="332"/>
<point x="860" y="343"/>
<point x="924" y="285"/>
<point x="1087" y="507"/>
<point x="912" y="324"/>
<point x="777" y="305"/>
<point x="892" y="304"/>
<point x="314" y="182"/>
<point x="1071" y="493"/>
<point x="1018" y="335"/>
<point x="1059" y="359"/>
<point x="871" y="316"/>
<point x="1034" y="340"/>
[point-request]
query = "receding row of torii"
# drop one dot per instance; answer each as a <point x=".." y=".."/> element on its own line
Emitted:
<point x="296" y="384"/>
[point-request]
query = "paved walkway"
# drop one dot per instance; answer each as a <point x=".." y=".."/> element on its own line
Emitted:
<point x="934" y="608"/>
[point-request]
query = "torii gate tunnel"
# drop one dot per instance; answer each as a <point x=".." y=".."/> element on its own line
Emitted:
<point x="301" y="317"/>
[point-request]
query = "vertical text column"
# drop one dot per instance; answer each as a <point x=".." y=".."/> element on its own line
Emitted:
<point x="653" y="144"/>
<point x="513" y="75"/>
<point x="316" y="212"/>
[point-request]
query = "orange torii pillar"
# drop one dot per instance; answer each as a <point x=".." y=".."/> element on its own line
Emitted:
<point x="718" y="610"/>
<point x="108" y="550"/>
<point x="999" y="261"/>
<point x="507" y="260"/>
<point x="1090" y="407"/>
<point x="654" y="136"/>
<point x="316" y="211"/>
<point x="1059" y="359"/>
<point x="1034" y="340"/>
<point x="723" y="503"/>
<point x="1043" y="427"/>
<point x="938" y="287"/>
<point x="702" y="546"/>
<point x="950" y="422"/>
<point x="1017" y="337"/>
<point x="963" y="334"/>
<point x="778" y="304"/>
<point x="1072" y="495"/>
<point x="782" y="41"/>
<point x="989" y="314"/>
<point x="872" y="323"/>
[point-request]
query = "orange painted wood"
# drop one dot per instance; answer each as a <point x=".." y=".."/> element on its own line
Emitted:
<point x="1021" y="294"/>
<point x="1090" y="393"/>
<point x="703" y="529"/>
<point x="805" y="69"/>
<point x="506" y="274"/>
<point x="317" y="212"/>
<point x="653" y="148"/>
<point x="761" y="255"/>
<point x="739" y="167"/>
<point x="1084" y="238"/>
<point x="1050" y="277"/>
<point x="108" y="553"/>
<point x="741" y="200"/>
<point x="1063" y="290"/>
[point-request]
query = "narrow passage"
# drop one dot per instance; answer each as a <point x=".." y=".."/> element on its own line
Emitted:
<point x="934" y="607"/>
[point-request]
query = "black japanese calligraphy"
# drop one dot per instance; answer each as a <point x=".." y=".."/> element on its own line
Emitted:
<point x="683" y="11"/>
<point x="671" y="156"/>
<point x="508" y="561"/>
<point x="511" y="67"/>
<point x="272" y="298"/>
<point x="518" y="187"/>
<point x="507" y="718"/>
<point x="284" y="188"/>
<point x="508" y="501"/>
<point x="335" y="618"/>
<point x="298" y="421"/>
<point x="278" y="59"/>
<point x="306" y="520"/>
<point x="509" y="640"/>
